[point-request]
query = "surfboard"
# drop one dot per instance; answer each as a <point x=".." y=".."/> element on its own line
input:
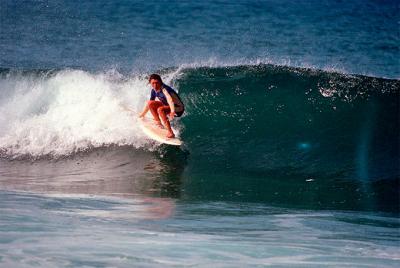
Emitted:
<point x="156" y="133"/>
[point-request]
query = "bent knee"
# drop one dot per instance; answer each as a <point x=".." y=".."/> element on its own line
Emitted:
<point x="160" y="110"/>
<point x="151" y="103"/>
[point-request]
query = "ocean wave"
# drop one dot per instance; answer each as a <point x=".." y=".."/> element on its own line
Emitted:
<point x="61" y="112"/>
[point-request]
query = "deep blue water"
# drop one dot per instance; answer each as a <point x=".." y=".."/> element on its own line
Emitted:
<point x="291" y="134"/>
<point x="351" y="36"/>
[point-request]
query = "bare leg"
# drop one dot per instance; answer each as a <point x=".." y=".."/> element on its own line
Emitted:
<point x="153" y="106"/>
<point x="163" y="111"/>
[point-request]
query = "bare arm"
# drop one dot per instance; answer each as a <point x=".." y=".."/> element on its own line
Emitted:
<point x="170" y="103"/>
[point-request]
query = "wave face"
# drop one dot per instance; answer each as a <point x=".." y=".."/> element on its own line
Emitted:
<point x="255" y="133"/>
<point x="295" y="136"/>
<point x="263" y="117"/>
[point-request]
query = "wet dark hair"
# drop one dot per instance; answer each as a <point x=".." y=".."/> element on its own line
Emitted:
<point x="156" y="77"/>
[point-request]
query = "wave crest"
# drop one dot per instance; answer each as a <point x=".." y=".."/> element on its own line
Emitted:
<point x="69" y="111"/>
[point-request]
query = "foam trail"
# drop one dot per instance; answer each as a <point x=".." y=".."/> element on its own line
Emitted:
<point x="69" y="111"/>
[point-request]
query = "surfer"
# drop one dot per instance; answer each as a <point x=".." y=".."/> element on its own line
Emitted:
<point x="168" y="104"/>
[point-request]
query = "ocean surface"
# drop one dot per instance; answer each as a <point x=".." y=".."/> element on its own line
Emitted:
<point x="291" y="154"/>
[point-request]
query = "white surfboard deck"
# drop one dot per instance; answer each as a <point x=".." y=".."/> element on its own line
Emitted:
<point x="156" y="133"/>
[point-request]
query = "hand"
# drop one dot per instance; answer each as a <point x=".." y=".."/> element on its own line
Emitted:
<point x="171" y="115"/>
<point x="141" y="115"/>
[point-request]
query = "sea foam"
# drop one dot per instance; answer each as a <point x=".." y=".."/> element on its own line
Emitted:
<point x="69" y="111"/>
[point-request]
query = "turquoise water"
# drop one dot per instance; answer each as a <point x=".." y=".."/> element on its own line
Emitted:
<point x="73" y="231"/>
<point x="291" y="134"/>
